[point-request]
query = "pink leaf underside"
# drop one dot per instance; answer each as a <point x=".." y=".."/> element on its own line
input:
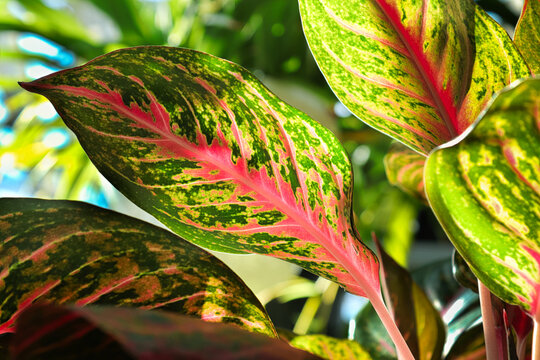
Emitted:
<point x="328" y="248"/>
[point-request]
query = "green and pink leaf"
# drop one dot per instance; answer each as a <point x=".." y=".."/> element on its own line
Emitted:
<point x="200" y="144"/>
<point x="72" y="252"/>
<point x="419" y="71"/>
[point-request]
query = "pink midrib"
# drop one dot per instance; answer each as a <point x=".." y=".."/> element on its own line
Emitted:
<point x="338" y="252"/>
<point x="444" y="104"/>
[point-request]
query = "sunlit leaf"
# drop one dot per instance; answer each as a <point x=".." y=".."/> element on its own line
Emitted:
<point x="485" y="191"/>
<point x="420" y="72"/>
<point x="527" y="35"/>
<point x="200" y="144"/>
<point x="72" y="252"/>
<point x="330" y="348"/>
<point x="405" y="169"/>
<point x="55" y="332"/>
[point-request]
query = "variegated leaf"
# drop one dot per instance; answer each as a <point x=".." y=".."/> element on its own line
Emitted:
<point x="72" y="252"/>
<point x="62" y="332"/>
<point x="203" y="146"/>
<point x="419" y="71"/>
<point x="330" y="348"/>
<point x="405" y="169"/>
<point x="485" y="191"/>
<point x="527" y="35"/>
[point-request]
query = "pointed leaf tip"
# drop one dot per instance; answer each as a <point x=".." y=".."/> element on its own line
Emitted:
<point x="202" y="145"/>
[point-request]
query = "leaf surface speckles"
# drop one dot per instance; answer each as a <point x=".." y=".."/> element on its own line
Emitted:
<point x="72" y="252"/>
<point x="202" y="145"/>
<point x="485" y="191"/>
<point x="330" y="348"/>
<point x="419" y="71"/>
<point x="527" y="35"/>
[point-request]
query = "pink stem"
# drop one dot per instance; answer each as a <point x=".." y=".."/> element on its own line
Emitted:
<point x="536" y="341"/>
<point x="403" y="351"/>
<point x="494" y="330"/>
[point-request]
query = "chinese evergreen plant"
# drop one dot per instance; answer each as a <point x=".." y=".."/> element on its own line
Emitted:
<point x="203" y="146"/>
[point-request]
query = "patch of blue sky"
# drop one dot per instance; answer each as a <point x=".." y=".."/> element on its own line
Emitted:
<point x="38" y="45"/>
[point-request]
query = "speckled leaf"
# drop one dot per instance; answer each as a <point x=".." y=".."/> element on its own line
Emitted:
<point x="405" y="169"/>
<point x="419" y="71"/>
<point x="72" y="252"/>
<point x="527" y="35"/>
<point x="417" y="319"/>
<point x="203" y="146"/>
<point x="330" y="348"/>
<point x="56" y="332"/>
<point x="485" y="191"/>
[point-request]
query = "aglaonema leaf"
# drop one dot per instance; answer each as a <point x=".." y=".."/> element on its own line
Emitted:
<point x="330" y="348"/>
<point x="527" y="35"/>
<point x="405" y="169"/>
<point x="203" y="146"/>
<point x="68" y="332"/>
<point x="72" y="252"/>
<point x="485" y="191"/>
<point x="417" y="319"/>
<point x="419" y="71"/>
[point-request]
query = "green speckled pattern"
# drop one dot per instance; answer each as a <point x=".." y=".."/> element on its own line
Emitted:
<point x="202" y="145"/>
<point x="331" y="348"/>
<point x="419" y="71"/>
<point x="527" y="35"/>
<point x="485" y="192"/>
<point x="72" y="252"/>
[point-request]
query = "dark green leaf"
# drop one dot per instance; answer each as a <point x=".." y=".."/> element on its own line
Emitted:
<point x="72" y="252"/>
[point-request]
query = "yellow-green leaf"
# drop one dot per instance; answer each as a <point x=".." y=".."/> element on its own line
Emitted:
<point x="485" y="191"/>
<point x="419" y="71"/>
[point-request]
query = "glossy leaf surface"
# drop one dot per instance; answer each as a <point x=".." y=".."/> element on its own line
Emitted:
<point x="330" y="348"/>
<point x="55" y="332"/>
<point x="72" y="252"/>
<point x="200" y="144"/>
<point x="420" y="72"/>
<point x="485" y="191"/>
<point x="417" y="319"/>
<point x="527" y="35"/>
<point x="462" y="272"/>
<point x="405" y="169"/>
